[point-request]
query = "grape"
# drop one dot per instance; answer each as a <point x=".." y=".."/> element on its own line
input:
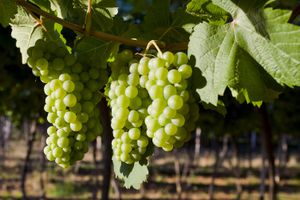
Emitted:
<point x="150" y="99"/>
<point x="131" y="92"/>
<point x="70" y="117"/>
<point x="42" y="64"/>
<point x="180" y="58"/>
<point x="134" y="133"/>
<point x="185" y="70"/>
<point x="72" y="95"/>
<point x="58" y="64"/>
<point x="70" y="100"/>
<point x="127" y="98"/>
<point x="174" y="76"/>
<point x="68" y="86"/>
<point x="170" y="117"/>
<point x="175" y="102"/>
<point x="63" y="142"/>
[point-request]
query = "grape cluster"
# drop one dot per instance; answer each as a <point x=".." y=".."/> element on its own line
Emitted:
<point x="152" y="102"/>
<point x="129" y="104"/>
<point x="72" y="97"/>
<point x="173" y="111"/>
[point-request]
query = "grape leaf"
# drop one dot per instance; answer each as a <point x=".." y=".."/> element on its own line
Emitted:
<point x="64" y="9"/>
<point x="250" y="55"/>
<point x="132" y="175"/>
<point x="103" y="12"/>
<point x="160" y="24"/>
<point x="8" y="9"/>
<point x="207" y="11"/>
<point x="95" y="51"/>
<point x="27" y="31"/>
<point x="42" y="4"/>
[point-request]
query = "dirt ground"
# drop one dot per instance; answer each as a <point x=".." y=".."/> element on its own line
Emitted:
<point x="84" y="180"/>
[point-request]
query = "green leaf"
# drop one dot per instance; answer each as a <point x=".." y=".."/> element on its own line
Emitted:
<point x="220" y="108"/>
<point x="132" y="175"/>
<point x="158" y="15"/>
<point x="96" y="52"/>
<point x="27" y="31"/>
<point x="64" y="9"/>
<point x="250" y="55"/>
<point x="8" y="9"/>
<point x="204" y="46"/>
<point x="103" y="12"/>
<point x="160" y="24"/>
<point x="207" y="11"/>
<point x="42" y="4"/>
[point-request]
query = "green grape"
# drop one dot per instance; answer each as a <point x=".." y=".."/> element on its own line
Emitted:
<point x="68" y="86"/>
<point x="41" y="64"/>
<point x="134" y="133"/>
<point x="87" y="107"/>
<point x="84" y="76"/>
<point x="60" y="93"/>
<point x="57" y="152"/>
<point x="180" y="58"/>
<point x="131" y="92"/>
<point x="69" y="59"/>
<point x="168" y="57"/>
<point x="58" y="64"/>
<point x="155" y="92"/>
<point x="161" y="73"/>
<point x="51" y="130"/>
<point x="63" y="142"/>
<point x="126" y="98"/>
<point x="123" y="101"/>
<point x="133" y="116"/>
<point x="155" y="63"/>
<point x="169" y="110"/>
<point x="76" y="126"/>
<point x="174" y="76"/>
<point x="94" y="73"/>
<point x="59" y="104"/>
<point x="87" y="94"/>
<point x="175" y="102"/>
<point x="72" y="95"/>
<point x="70" y="117"/>
<point x="170" y="129"/>
<point x="185" y="70"/>
<point x="70" y="100"/>
<point x="55" y="84"/>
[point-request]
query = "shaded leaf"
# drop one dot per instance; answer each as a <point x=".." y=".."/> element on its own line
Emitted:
<point x="96" y="52"/>
<point x="207" y="11"/>
<point x="160" y="24"/>
<point x="132" y="175"/>
<point x="64" y="9"/>
<point x="103" y="12"/>
<point x="42" y="4"/>
<point x="8" y="9"/>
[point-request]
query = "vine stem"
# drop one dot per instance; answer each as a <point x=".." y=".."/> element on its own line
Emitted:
<point x="98" y="34"/>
